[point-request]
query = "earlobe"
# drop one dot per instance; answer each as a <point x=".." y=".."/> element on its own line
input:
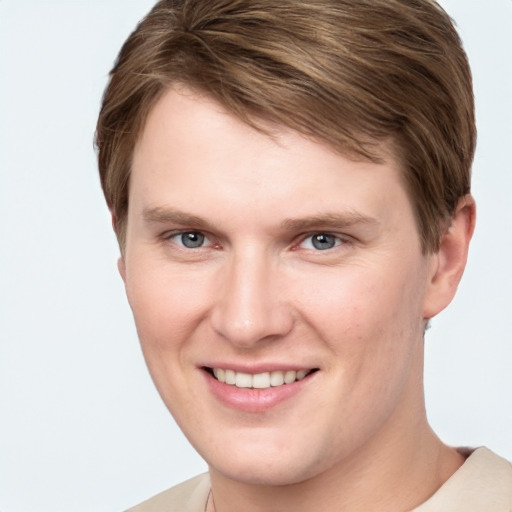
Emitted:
<point x="447" y="265"/>
<point x="121" y="266"/>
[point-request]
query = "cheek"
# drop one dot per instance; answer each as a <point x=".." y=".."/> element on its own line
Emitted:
<point x="363" y="299"/>
<point x="371" y="325"/>
<point x="369" y="317"/>
<point x="166" y="304"/>
<point x="167" y="310"/>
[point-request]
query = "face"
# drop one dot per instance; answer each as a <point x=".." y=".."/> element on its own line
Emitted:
<point x="278" y="289"/>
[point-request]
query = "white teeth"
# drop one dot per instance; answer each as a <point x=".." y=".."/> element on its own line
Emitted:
<point x="301" y="374"/>
<point x="290" y="376"/>
<point x="260" y="380"/>
<point x="276" y="378"/>
<point x="230" y="376"/>
<point x="243" y="380"/>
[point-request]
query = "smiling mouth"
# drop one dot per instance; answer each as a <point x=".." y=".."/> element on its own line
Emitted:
<point x="263" y="380"/>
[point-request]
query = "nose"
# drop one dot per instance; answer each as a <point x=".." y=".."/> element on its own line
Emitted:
<point x="250" y="307"/>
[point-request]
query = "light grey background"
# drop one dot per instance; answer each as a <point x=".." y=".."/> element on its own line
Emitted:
<point x="81" y="426"/>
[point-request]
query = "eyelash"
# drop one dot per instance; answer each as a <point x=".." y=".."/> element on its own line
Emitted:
<point x="338" y="240"/>
<point x="168" y="237"/>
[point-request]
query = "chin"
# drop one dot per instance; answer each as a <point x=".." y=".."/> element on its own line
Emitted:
<point x="268" y="464"/>
<point x="264" y="475"/>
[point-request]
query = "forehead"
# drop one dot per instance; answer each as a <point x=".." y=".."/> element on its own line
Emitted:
<point x="193" y="153"/>
<point x="181" y="105"/>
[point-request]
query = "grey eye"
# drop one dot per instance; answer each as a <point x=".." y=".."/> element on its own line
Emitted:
<point x="191" y="239"/>
<point x="321" y="241"/>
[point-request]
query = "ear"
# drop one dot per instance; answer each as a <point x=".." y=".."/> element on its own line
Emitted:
<point x="447" y="265"/>
<point x="121" y="265"/>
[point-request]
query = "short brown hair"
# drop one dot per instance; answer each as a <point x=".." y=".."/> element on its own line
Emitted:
<point x="346" y="72"/>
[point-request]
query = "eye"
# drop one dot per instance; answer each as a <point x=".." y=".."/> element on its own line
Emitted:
<point x="321" y="241"/>
<point x="189" y="239"/>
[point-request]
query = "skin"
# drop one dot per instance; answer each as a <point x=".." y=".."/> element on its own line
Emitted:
<point x="258" y="293"/>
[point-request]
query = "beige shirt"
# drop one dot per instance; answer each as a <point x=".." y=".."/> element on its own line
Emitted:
<point x="482" y="484"/>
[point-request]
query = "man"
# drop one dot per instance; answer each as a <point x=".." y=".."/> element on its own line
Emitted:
<point x="290" y="187"/>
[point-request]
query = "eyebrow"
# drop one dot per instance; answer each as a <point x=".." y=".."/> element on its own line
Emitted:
<point x="164" y="215"/>
<point x="324" y="221"/>
<point x="329" y="220"/>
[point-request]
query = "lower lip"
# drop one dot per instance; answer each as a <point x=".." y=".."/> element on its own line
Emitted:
<point x="251" y="399"/>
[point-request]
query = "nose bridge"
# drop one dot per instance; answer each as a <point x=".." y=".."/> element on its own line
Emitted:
<point x="250" y="307"/>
